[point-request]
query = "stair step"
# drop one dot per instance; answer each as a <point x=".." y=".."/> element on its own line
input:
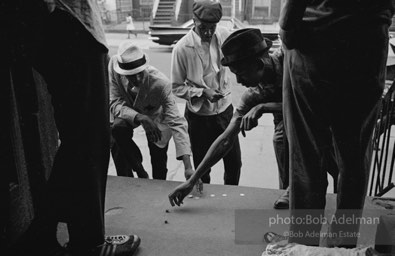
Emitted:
<point x="164" y="16"/>
<point x="162" y="23"/>
<point x="162" y="19"/>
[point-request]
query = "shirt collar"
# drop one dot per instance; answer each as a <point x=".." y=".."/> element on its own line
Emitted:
<point x="197" y="41"/>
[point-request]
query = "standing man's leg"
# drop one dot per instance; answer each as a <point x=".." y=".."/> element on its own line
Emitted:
<point x="122" y="132"/>
<point x="199" y="129"/>
<point x="280" y="145"/>
<point x="362" y="84"/>
<point x="158" y="161"/>
<point x="280" y="150"/>
<point x="121" y="164"/>
<point x="74" y="66"/>
<point x="332" y="167"/>
<point x="308" y="135"/>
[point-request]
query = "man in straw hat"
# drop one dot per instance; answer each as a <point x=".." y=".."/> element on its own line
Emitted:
<point x="198" y="77"/>
<point x="246" y="52"/>
<point x="141" y="95"/>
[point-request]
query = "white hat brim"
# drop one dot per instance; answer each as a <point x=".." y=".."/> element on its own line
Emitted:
<point x="128" y="72"/>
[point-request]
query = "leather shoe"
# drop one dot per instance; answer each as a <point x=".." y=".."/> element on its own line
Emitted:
<point x="271" y="237"/>
<point x="142" y="174"/>
<point x="283" y="201"/>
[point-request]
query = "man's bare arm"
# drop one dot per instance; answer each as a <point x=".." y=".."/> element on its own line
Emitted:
<point x="219" y="148"/>
<point x="216" y="152"/>
<point x="250" y="120"/>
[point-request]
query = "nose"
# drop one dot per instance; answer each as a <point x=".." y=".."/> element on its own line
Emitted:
<point x="208" y="33"/>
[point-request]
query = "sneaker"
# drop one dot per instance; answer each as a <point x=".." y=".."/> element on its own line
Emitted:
<point x="119" y="245"/>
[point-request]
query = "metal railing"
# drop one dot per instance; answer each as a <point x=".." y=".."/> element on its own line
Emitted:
<point x="383" y="148"/>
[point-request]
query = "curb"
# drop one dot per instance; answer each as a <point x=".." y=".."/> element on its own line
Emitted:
<point x="124" y="31"/>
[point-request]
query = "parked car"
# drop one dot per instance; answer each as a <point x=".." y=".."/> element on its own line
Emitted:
<point x="169" y="35"/>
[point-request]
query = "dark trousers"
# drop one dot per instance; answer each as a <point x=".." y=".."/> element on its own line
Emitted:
<point x="122" y="132"/>
<point x="331" y="95"/>
<point x="203" y="131"/>
<point x="281" y="152"/>
<point x="74" y="66"/>
<point x="280" y="144"/>
<point x="121" y="163"/>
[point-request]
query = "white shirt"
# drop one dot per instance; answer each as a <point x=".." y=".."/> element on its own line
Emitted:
<point x="196" y="67"/>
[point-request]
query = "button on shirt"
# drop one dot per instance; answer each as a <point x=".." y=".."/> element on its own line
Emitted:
<point x="196" y="66"/>
<point x="209" y="53"/>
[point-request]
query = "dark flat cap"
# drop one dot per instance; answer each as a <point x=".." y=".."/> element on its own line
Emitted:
<point x="242" y="44"/>
<point x="207" y="11"/>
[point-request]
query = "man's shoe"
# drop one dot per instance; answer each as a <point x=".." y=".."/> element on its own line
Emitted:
<point x="271" y="237"/>
<point x="119" y="245"/>
<point x="142" y="175"/>
<point x="283" y="201"/>
<point x="39" y="239"/>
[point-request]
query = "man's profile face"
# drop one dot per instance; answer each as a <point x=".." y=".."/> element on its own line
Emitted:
<point x="136" y="79"/>
<point x="205" y="30"/>
<point x="249" y="73"/>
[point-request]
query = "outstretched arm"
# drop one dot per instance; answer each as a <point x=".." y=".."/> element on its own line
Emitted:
<point x="219" y="148"/>
<point x="216" y="152"/>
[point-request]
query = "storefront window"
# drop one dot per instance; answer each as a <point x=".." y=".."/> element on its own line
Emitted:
<point x="261" y="8"/>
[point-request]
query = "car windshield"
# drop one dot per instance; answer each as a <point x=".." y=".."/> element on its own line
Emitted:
<point x="227" y="24"/>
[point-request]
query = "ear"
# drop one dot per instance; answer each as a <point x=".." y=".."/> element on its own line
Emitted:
<point x="261" y="63"/>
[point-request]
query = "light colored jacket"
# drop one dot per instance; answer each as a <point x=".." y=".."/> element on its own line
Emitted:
<point x="154" y="99"/>
<point x="187" y="74"/>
